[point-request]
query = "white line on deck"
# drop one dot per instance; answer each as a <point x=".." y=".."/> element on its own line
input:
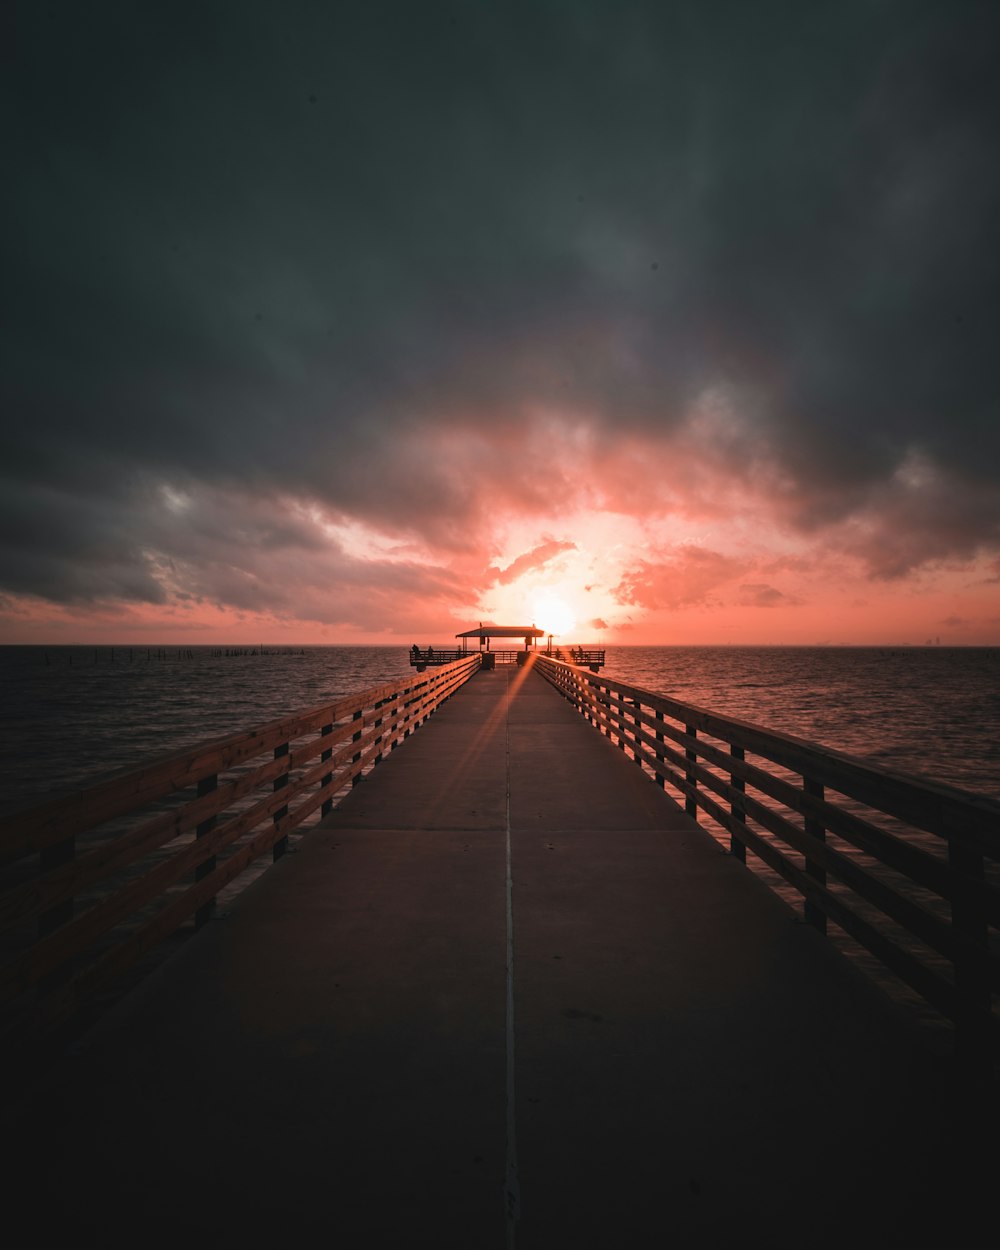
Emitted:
<point x="512" y="1188"/>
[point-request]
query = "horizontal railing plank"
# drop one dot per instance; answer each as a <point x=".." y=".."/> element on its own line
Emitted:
<point x="128" y="789"/>
<point x="926" y="804"/>
<point x="703" y="757"/>
<point x="913" y="862"/>
<point x="113" y="930"/>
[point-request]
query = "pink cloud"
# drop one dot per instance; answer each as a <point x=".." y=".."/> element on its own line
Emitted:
<point x="691" y="575"/>
<point x="537" y="558"/>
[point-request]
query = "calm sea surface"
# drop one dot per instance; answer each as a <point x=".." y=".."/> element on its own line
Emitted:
<point x="71" y="713"/>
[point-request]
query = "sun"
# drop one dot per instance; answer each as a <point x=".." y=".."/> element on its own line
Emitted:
<point x="553" y="614"/>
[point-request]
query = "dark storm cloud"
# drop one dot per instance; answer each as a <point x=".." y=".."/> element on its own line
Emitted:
<point x="318" y="251"/>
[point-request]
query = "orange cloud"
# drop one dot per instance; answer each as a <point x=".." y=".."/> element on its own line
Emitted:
<point x="691" y="575"/>
<point x="537" y="558"/>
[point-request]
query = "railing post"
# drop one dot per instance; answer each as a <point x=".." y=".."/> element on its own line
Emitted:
<point x="281" y="846"/>
<point x="691" y="755"/>
<point x="395" y="721"/>
<point x="659" y="755"/>
<point x="637" y="750"/>
<point x="378" y="737"/>
<point x="737" y="848"/>
<point x="968" y="920"/>
<point x="325" y="780"/>
<point x="814" y="829"/>
<point x="205" y="913"/>
<point x="356" y="738"/>
<point x="633" y="735"/>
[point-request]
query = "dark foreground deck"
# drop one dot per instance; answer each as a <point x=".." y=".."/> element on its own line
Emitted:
<point x="334" y="1060"/>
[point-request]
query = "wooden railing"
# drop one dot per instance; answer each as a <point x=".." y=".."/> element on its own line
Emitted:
<point x="436" y="656"/>
<point x="429" y="656"/>
<point x="92" y="882"/>
<point x="908" y="868"/>
<point x="586" y="657"/>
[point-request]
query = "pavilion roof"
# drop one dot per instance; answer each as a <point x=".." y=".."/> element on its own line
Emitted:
<point x="503" y="631"/>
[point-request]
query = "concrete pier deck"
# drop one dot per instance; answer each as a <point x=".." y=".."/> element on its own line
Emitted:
<point x="336" y="1060"/>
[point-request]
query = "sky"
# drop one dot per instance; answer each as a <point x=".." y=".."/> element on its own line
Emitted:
<point x="644" y="322"/>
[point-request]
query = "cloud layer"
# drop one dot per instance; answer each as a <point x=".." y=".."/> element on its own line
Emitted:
<point x="312" y="309"/>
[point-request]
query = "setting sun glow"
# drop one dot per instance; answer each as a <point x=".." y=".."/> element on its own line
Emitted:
<point x="553" y="614"/>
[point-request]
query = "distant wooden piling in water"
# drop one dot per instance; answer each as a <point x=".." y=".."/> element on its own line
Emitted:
<point x="114" y="654"/>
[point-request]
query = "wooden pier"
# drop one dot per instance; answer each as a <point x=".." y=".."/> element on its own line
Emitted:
<point x="507" y="992"/>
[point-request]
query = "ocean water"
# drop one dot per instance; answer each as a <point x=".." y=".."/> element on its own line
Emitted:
<point x="928" y="711"/>
<point x="69" y="714"/>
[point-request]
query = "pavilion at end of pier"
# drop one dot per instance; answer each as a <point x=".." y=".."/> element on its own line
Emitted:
<point x="486" y="635"/>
